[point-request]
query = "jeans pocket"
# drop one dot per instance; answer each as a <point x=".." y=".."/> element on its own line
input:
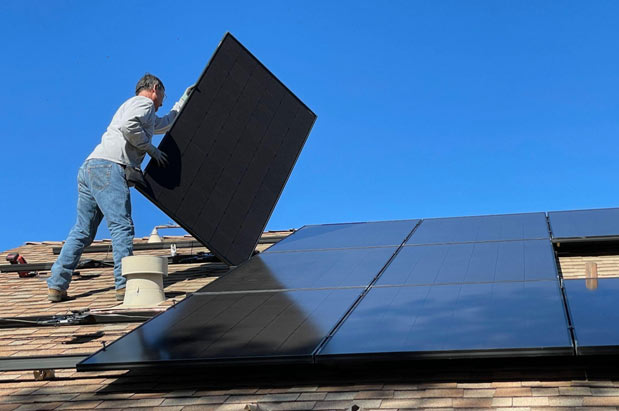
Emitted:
<point x="99" y="176"/>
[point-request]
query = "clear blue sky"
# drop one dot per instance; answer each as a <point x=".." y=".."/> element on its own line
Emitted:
<point x="425" y="108"/>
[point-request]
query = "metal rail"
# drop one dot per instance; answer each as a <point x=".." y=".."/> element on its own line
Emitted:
<point x="212" y="260"/>
<point x="164" y="245"/>
<point x="40" y="363"/>
<point x="80" y="317"/>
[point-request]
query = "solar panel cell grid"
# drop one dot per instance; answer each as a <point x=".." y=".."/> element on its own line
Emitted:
<point x="307" y="269"/>
<point x="455" y="320"/>
<point x="234" y="327"/>
<point x="472" y="262"/>
<point x="236" y="140"/>
<point x="481" y="228"/>
<point x="350" y="235"/>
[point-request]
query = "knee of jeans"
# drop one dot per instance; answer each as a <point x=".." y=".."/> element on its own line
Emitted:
<point x="121" y="225"/>
<point x="82" y="234"/>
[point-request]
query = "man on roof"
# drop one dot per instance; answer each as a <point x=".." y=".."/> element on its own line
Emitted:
<point x="103" y="182"/>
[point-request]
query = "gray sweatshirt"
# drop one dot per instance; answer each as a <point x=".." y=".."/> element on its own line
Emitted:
<point x="130" y="133"/>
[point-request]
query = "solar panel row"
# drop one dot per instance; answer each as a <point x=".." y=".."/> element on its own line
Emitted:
<point x="466" y="286"/>
<point x="375" y="296"/>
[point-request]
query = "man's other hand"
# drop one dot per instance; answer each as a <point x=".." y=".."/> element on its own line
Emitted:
<point x="159" y="156"/>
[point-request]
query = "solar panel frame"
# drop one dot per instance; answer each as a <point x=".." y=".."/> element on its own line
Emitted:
<point x="248" y="129"/>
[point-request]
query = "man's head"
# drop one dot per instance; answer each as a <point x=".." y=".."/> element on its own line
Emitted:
<point x="150" y="86"/>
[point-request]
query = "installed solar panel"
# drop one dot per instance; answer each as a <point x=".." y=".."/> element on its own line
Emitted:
<point x="232" y="328"/>
<point x="593" y="308"/>
<point x="481" y="228"/>
<point x="472" y="262"/>
<point x="307" y="269"/>
<point x="381" y="233"/>
<point x="231" y="151"/>
<point x="516" y="318"/>
<point x="584" y="223"/>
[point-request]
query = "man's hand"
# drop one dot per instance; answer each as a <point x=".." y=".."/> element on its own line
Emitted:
<point x="188" y="91"/>
<point x="159" y="156"/>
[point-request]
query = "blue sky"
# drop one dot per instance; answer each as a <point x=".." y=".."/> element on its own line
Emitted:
<point x="425" y="108"/>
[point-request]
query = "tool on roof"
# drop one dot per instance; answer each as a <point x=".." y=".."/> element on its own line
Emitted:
<point x="16" y="258"/>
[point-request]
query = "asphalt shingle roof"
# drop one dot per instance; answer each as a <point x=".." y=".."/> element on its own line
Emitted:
<point x="401" y="387"/>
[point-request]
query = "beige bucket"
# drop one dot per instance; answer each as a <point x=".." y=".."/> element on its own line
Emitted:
<point x="144" y="280"/>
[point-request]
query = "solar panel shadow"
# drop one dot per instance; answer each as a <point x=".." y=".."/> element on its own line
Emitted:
<point x="307" y="269"/>
<point x="231" y="151"/>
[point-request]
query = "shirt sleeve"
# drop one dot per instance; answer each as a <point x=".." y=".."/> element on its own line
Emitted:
<point x="163" y="124"/>
<point x="138" y="116"/>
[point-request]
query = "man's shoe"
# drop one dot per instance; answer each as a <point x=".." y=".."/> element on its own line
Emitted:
<point x="120" y="294"/>
<point x="56" y="295"/>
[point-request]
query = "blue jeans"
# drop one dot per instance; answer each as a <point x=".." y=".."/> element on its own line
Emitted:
<point x="102" y="191"/>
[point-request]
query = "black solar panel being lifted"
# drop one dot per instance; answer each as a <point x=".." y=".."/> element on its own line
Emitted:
<point x="580" y="224"/>
<point x="481" y="228"/>
<point x="231" y="151"/>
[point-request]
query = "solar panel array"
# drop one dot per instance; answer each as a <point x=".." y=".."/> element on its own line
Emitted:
<point x="439" y="288"/>
<point x="231" y="151"/>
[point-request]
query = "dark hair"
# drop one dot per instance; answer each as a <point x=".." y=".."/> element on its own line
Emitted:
<point x="147" y="82"/>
